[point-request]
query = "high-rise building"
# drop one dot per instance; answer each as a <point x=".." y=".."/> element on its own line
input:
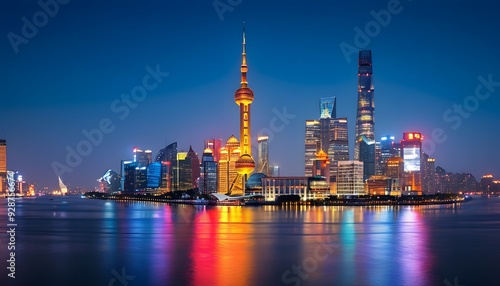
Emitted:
<point x="195" y="166"/>
<point x="154" y="175"/>
<point x="183" y="173"/>
<point x="350" y="178"/>
<point x="208" y="178"/>
<point x="143" y="158"/>
<point x="328" y="107"/>
<point x="214" y="145"/>
<point x="263" y="153"/>
<point x="428" y="174"/>
<point x="244" y="97"/>
<point x="229" y="182"/>
<point x="378" y="159"/>
<point x="339" y="142"/>
<point x="168" y="156"/>
<point x="328" y="134"/>
<point x="365" y="121"/>
<point x="3" y="165"/>
<point x="395" y="171"/>
<point x="312" y="144"/>
<point x="411" y="146"/>
<point x="387" y="150"/>
<point x="367" y="155"/>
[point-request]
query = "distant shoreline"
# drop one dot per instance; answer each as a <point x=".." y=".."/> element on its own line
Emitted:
<point x="361" y="201"/>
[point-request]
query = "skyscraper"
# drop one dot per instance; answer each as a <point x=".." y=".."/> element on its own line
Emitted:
<point x="263" y="152"/>
<point x="143" y="158"/>
<point x="428" y="174"/>
<point x="365" y="112"/>
<point x="387" y="150"/>
<point x="229" y="182"/>
<point x="168" y="156"/>
<point x="328" y="134"/>
<point x="366" y="155"/>
<point x="195" y="166"/>
<point x="339" y="143"/>
<point x="3" y="165"/>
<point x="328" y="107"/>
<point x="312" y="145"/>
<point x="244" y="98"/>
<point x="208" y="178"/>
<point x="183" y="172"/>
<point x="411" y="146"/>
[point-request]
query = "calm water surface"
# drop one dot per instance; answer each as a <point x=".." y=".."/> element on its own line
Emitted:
<point x="74" y="241"/>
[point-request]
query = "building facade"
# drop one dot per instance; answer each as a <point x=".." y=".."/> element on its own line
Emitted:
<point x="365" y="122"/>
<point x="308" y="188"/>
<point x="263" y="155"/>
<point x="350" y="178"/>
<point x="411" y="147"/>
<point x="208" y="176"/>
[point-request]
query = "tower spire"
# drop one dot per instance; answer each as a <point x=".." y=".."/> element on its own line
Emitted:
<point x="244" y="67"/>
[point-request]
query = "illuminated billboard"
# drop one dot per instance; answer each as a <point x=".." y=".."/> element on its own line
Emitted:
<point x="411" y="156"/>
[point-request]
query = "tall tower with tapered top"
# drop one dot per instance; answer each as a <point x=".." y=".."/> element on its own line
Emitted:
<point x="244" y="98"/>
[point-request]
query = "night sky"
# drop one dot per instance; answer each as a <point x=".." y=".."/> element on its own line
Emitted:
<point x="69" y="76"/>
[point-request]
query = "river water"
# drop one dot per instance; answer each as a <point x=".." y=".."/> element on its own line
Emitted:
<point x="74" y="241"/>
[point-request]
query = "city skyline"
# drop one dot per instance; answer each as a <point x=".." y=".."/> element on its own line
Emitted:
<point x="55" y="94"/>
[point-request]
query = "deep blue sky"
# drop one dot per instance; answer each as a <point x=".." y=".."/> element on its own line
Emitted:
<point x="66" y="77"/>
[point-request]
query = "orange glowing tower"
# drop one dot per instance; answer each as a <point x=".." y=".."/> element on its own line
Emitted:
<point x="244" y="98"/>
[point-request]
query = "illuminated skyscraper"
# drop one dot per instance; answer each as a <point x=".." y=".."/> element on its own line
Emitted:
<point x="3" y="165"/>
<point x="229" y="181"/>
<point x="328" y="107"/>
<point x="263" y="152"/>
<point x="208" y="179"/>
<point x="143" y="158"/>
<point x="365" y="112"/>
<point x="328" y="134"/>
<point x="387" y="150"/>
<point x="339" y="143"/>
<point x="244" y="98"/>
<point x="183" y="172"/>
<point x="411" y="147"/>
<point x="428" y="174"/>
<point x="168" y="156"/>
<point x="312" y="144"/>
<point x="366" y="155"/>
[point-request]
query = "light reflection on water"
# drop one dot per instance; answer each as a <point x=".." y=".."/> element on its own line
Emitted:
<point x="80" y="242"/>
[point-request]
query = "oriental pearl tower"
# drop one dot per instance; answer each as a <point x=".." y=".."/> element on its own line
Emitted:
<point x="244" y="98"/>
